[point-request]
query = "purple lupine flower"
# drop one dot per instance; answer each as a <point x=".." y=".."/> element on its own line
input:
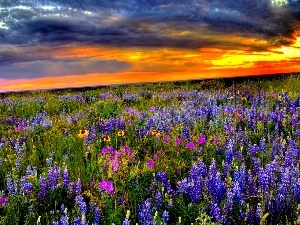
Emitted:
<point x="213" y="170"/>
<point x="251" y="219"/>
<point x="126" y="222"/>
<point x="229" y="201"/>
<point x="49" y="162"/>
<point x="186" y="133"/>
<point x="65" y="178"/>
<point x="18" y="149"/>
<point x="271" y="170"/>
<point x="16" y="185"/>
<point x="106" y="185"/>
<point x="81" y="205"/>
<point x="31" y="171"/>
<point x="273" y="148"/>
<point x="183" y="186"/>
<point x="43" y="187"/>
<point x="161" y="177"/>
<point x="53" y="176"/>
<point x="198" y="170"/>
<point x="251" y="186"/>
<point x="216" y="187"/>
<point x="226" y="169"/>
<point x="192" y="185"/>
<point x="97" y="216"/>
<point x="242" y="215"/>
<point x="215" y="213"/>
<point x="239" y="156"/>
<point x="63" y="209"/>
<point x="158" y="200"/>
<point x="91" y="135"/>
<point x="234" y="196"/>
<point x="297" y="133"/>
<point x="77" y="221"/>
<point x="77" y="187"/>
<point x="145" y="213"/>
<point x="10" y="186"/>
<point x="258" y="212"/>
<point x="296" y="191"/>
<point x="263" y="180"/>
<point x="256" y="163"/>
<point x="292" y="156"/>
<point x="18" y="163"/>
<point x="64" y="220"/>
<point x="195" y="191"/>
<point x="165" y="217"/>
<point x="26" y="187"/>
<point x="229" y="151"/>
<point x="262" y="145"/>
<point x="240" y="178"/>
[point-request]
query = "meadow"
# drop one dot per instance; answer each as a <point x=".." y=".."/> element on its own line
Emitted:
<point x="195" y="152"/>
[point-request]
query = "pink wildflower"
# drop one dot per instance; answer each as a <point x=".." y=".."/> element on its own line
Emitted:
<point x="106" y="185"/>
<point x="190" y="145"/>
<point x="166" y="139"/>
<point x="152" y="108"/>
<point x="20" y="127"/>
<point x="215" y="140"/>
<point x="202" y="139"/>
<point x="106" y="150"/>
<point x="150" y="164"/>
<point x="115" y="164"/>
<point x="127" y="150"/>
<point x="178" y="141"/>
<point x="3" y="201"/>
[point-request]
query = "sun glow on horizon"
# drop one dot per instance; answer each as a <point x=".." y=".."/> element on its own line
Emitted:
<point x="163" y="64"/>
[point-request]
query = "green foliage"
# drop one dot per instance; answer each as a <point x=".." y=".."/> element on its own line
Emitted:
<point x="27" y="109"/>
<point x="16" y="211"/>
<point x="204" y="219"/>
<point x="106" y="109"/>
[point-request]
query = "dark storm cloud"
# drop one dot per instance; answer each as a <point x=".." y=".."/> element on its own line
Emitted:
<point x="122" y="23"/>
<point x="67" y="21"/>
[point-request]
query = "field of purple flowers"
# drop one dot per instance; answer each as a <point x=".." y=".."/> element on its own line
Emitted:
<point x="199" y="153"/>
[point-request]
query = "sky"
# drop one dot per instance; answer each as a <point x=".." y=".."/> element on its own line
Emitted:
<point x="47" y="44"/>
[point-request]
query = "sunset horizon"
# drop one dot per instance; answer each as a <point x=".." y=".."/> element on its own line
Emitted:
<point x="54" y="44"/>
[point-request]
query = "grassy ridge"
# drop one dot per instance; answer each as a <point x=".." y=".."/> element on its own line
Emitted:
<point x="225" y="151"/>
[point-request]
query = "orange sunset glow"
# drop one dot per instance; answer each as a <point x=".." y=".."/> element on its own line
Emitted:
<point x="122" y="48"/>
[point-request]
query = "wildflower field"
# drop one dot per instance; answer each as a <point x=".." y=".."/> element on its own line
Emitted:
<point x="202" y="152"/>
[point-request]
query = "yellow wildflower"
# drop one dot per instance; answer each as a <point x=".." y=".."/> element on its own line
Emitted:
<point x="83" y="133"/>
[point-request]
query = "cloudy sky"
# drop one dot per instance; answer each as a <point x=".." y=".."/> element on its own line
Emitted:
<point x="63" y="43"/>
